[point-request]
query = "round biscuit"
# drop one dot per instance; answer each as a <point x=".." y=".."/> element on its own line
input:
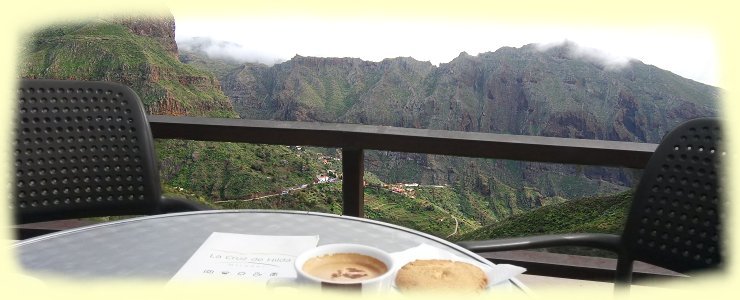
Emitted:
<point x="436" y="274"/>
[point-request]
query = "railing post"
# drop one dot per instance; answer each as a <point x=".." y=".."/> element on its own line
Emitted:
<point x="353" y="168"/>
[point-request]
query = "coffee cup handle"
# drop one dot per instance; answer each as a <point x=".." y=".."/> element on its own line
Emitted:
<point x="282" y="282"/>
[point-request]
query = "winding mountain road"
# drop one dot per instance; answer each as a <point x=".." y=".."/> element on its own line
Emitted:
<point x="457" y="225"/>
<point x="284" y="192"/>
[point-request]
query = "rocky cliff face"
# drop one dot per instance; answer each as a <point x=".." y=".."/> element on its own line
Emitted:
<point x="139" y="52"/>
<point x="513" y="90"/>
<point x="160" y="28"/>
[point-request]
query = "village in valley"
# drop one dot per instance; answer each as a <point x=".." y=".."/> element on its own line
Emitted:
<point x="331" y="175"/>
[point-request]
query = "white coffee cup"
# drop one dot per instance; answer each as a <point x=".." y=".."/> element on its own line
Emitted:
<point x="376" y="284"/>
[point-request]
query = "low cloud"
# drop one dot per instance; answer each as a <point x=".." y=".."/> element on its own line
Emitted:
<point x="599" y="57"/>
<point x="241" y="54"/>
<point x="227" y="50"/>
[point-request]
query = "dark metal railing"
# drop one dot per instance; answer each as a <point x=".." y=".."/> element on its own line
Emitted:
<point x="353" y="139"/>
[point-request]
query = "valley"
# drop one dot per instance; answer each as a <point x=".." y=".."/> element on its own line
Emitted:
<point x="522" y="91"/>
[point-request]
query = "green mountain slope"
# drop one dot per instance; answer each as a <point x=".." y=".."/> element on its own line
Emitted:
<point x="602" y="214"/>
<point x="109" y="50"/>
<point x="142" y="54"/>
<point x="605" y="214"/>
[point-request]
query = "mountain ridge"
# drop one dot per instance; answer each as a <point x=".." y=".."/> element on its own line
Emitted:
<point x="467" y="66"/>
<point x="523" y="91"/>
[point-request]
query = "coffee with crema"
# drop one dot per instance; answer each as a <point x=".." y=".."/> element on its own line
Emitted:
<point x="345" y="267"/>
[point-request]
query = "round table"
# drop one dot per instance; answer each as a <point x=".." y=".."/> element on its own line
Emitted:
<point x="157" y="246"/>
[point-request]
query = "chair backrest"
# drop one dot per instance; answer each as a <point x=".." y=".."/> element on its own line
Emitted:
<point x="674" y="220"/>
<point x="82" y="149"/>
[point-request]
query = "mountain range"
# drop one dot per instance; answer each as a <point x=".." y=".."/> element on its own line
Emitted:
<point x="527" y="91"/>
<point x="530" y="90"/>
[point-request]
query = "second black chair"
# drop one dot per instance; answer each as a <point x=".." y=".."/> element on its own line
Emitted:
<point x="674" y="221"/>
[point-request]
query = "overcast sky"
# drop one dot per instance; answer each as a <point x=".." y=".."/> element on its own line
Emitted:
<point x="690" y="53"/>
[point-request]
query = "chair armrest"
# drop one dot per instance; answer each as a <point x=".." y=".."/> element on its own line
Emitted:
<point x="172" y="205"/>
<point x="595" y="240"/>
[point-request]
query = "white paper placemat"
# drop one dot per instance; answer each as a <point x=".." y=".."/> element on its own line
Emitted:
<point x="231" y="256"/>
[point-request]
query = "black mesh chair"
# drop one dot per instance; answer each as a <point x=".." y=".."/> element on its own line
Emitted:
<point x="674" y="220"/>
<point x="84" y="149"/>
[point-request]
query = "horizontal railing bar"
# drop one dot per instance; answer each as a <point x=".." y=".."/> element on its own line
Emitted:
<point x="576" y="266"/>
<point x="442" y="142"/>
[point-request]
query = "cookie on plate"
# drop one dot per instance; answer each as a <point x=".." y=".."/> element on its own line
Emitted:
<point x="437" y="274"/>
